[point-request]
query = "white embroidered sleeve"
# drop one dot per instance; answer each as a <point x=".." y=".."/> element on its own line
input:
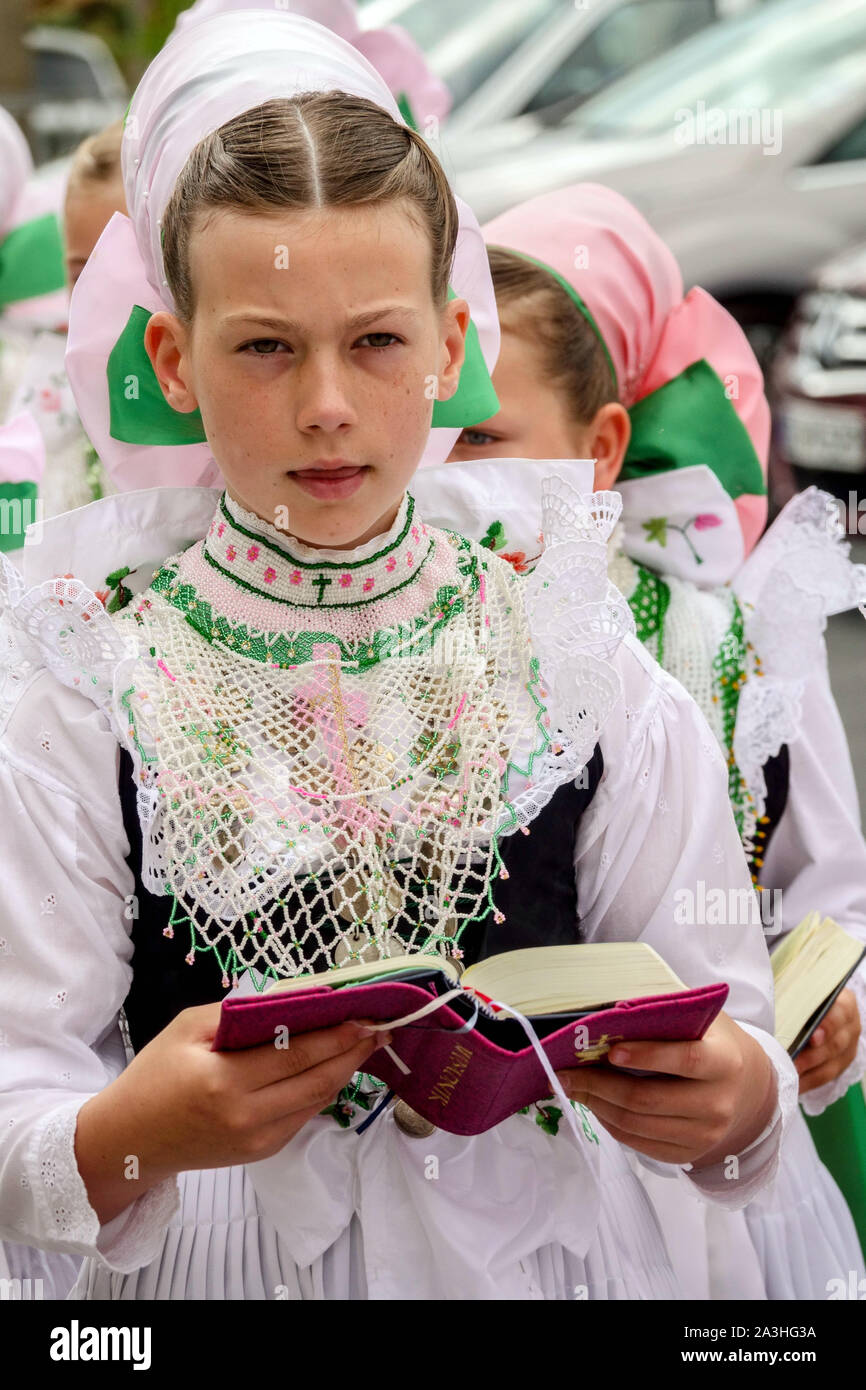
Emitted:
<point x="64" y="973"/>
<point x="817" y="856"/>
<point x="658" y="859"/>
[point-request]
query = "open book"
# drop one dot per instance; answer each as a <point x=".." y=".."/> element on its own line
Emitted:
<point x="466" y="1065"/>
<point x="811" y="967"/>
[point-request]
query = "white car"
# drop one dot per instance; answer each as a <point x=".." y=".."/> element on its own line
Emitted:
<point x="579" y="48"/>
<point x="745" y="147"/>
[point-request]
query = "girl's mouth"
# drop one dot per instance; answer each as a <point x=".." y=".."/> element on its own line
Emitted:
<point x="331" y="484"/>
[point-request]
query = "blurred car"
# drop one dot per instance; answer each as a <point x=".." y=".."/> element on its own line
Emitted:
<point x="745" y="147"/>
<point x="78" y="89"/>
<point x="463" y="43"/>
<point x="818" y="379"/>
<point x="578" y="49"/>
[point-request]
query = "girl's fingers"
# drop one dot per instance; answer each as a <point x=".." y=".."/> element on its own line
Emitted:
<point x="819" y="1076"/>
<point x="837" y="1045"/>
<point x="689" y="1135"/>
<point x="314" y="1088"/>
<point x="700" y="1061"/>
<point x="665" y="1153"/>
<point x="290" y="1054"/>
<point x="648" y="1095"/>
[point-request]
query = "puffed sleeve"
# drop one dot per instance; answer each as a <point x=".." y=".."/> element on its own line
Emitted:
<point x="64" y="972"/>
<point x="817" y="856"/>
<point x="658" y="859"/>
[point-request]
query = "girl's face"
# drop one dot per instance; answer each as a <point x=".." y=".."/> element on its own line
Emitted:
<point x="535" y="422"/>
<point x="315" y="354"/>
<point x="87" y="211"/>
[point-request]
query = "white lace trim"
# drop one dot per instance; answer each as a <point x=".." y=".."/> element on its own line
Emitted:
<point x="759" y="1162"/>
<point x="59" y="1189"/>
<point x="68" y="1220"/>
<point x="59" y="625"/>
<point x="799" y="575"/>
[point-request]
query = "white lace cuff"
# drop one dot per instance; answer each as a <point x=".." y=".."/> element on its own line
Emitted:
<point x="735" y="1180"/>
<point x="67" y="1221"/>
<point x="816" y="1102"/>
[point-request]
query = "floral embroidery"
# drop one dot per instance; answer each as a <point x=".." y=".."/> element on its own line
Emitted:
<point x="252" y="553"/>
<point x="368" y="583"/>
<point x="231" y="553"/>
<point x="410" y="559"/>
<point x="516" y="558"/>
<point x="118" y="595"/>
<point x="345" y="580"/>
<point x="221" y="528"/>
<point x="390" y="564"/>
<point x="658" y="526"/>
<point x="494" y="537"/>
<point x="271" y="574"/>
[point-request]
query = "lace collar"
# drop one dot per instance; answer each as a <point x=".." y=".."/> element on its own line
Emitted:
<point x="272" y="565"/>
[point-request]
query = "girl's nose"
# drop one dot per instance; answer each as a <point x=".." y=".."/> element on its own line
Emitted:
<point x="323" y="401"/>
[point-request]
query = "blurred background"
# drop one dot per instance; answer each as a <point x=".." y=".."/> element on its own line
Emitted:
<point x="738" y="127"/>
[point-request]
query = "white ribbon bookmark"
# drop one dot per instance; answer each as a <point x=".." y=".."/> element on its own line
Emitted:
<point x="461" y="990"/>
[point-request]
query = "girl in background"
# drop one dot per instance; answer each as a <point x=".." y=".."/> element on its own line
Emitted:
<point x="603" y="358"/>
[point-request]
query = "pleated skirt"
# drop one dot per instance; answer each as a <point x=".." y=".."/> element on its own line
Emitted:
<point x="221" y="1246"/>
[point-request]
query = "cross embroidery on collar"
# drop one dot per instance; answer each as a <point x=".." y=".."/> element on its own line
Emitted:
<point x="322" y="583"/>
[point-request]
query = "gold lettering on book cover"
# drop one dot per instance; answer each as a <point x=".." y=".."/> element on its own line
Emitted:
<point x="451" y="1075"/>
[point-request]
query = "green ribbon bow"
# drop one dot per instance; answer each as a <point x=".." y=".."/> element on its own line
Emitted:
<point x="140" y="414"/>
<point x="31" y="260"/>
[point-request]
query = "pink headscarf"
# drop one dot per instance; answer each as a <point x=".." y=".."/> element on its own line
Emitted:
<point x="15" y="168"/>
<point x="205" y="75"/>
<point x="631" y="284"/>
<point x="393" y="53"/>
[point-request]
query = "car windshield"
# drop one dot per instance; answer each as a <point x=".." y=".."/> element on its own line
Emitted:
<point x="464" y="43"/>
<point x="767" y="59"/>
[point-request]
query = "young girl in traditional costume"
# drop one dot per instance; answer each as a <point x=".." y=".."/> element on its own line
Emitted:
<point x="333" y="734"/>
<point x="604" y="358"/>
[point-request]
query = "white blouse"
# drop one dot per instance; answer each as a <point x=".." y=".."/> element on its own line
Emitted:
<point x="659" y="823"/>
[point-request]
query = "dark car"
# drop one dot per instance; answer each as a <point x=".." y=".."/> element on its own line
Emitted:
<point x="818" y="387"/>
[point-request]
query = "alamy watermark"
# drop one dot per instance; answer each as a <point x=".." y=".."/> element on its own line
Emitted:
<point x="740" y="125"/>
<point x="22" y="516"/>
<point x="732" y="907"/>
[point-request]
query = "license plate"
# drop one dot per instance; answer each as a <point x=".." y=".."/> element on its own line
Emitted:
<point x="822" y="436"/>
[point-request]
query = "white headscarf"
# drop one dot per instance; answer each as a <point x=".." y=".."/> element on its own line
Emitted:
<point x="206" y="75"/>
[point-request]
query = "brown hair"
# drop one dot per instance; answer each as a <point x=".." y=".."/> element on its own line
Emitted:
<point x="533" y="304"/>
<point x="97" y="159"/>
<point x="317" y="149"/>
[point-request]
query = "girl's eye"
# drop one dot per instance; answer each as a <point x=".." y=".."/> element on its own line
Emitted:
<point x="263" y="347"/>
<point x="476" y="438"/>
<point x="374" y="340"/>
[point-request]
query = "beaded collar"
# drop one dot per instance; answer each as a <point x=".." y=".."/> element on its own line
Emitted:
<point x="272" y="565"/>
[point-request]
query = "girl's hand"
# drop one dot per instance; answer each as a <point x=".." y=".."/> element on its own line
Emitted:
<point x="180" y="1106"/>
<point x="714" y="1097"/>
<point x="833" y="1045"/>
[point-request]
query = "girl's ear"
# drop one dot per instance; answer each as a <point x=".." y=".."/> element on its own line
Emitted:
<point x="609" y="434"/>
<point x="166" y="343"/>
<point x="454" y="325"/>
